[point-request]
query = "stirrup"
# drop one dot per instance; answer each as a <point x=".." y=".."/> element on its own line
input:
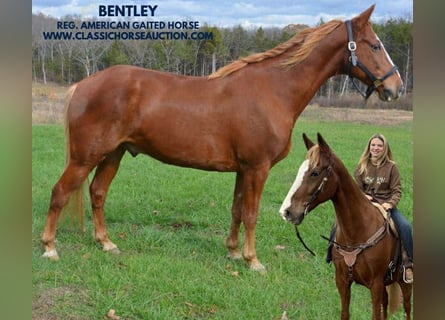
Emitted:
<point x="411" y="278"/>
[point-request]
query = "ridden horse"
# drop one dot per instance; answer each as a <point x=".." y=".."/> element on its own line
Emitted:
<point x="239" y="119"/>
<point x="365" y="249"/>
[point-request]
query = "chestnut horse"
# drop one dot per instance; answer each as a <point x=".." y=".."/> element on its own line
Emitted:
<point x="365" y="249"/>
<point x="239" y="119"/>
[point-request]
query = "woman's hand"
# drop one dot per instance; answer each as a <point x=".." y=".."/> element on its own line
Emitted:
<point x="387" y="206"/>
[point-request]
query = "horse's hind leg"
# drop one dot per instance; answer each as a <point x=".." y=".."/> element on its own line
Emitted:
<point x="105" y="172"/>
<point x="71" y="179"/>
<point x="406" y="293"/>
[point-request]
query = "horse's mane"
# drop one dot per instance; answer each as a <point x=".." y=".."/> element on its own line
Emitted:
<point x="313" y="155"/>
<point x="308" y="38"/>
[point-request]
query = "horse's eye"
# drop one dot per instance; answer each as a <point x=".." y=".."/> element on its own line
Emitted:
<point x="376" y="47"/>
<point x="314" y="174"/>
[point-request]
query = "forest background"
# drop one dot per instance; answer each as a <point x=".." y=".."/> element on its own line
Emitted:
<point x="64" y="62"/>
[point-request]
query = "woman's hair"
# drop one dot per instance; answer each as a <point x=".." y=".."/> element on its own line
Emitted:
<point x="366" y="155"/>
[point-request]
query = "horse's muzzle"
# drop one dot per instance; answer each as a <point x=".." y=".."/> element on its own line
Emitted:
<point x="294" y="219"/>
<point x="387" y="94"/>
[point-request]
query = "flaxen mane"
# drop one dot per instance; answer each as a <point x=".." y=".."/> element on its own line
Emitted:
<point x="308" y="38"/>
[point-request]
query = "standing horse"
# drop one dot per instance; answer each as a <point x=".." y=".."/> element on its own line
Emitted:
<point x="239" y="119"/>
<point x="364" y="247"/>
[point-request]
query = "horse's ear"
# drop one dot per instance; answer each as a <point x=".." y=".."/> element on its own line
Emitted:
<point x="309" y="144"/>
<point x="322" y="143"/>
<point x="365" y="15"/>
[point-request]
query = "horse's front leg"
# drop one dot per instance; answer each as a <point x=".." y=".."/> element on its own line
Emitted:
<point x="344" y="289"/>
<point x="385" y="303"/>
<point x="233" y="238"/>
<point x="247" y="195"/>
<point x="377" y="298"/>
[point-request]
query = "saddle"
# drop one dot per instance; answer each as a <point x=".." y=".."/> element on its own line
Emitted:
<point x="387" y="217"/>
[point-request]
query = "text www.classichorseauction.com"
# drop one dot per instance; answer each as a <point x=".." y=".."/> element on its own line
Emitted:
<point x="127" y="30"/>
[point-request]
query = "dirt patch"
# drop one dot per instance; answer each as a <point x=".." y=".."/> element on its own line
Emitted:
<point x="382" y="117"/>
<point x="48" y="103"/>
<point x="46" y="302"/>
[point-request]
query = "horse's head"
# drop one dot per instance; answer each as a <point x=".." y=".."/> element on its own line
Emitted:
<point x="368" y="61"/>
<point x="315" y="182"/>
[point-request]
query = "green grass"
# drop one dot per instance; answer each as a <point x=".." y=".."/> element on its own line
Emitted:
<point x="170" y="224"/>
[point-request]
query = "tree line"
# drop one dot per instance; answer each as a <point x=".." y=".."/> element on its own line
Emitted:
<point x="68" y="61"/>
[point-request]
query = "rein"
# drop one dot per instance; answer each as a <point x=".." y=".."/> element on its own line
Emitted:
<point x="354" y="62"/>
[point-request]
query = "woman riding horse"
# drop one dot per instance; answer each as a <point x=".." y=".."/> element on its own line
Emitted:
<point x="379" y="178"/>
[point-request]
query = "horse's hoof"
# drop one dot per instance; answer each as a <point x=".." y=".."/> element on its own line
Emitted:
<point x="114" y="251"/>
<point x="258" y="267"/>
<point x="110" y="247"/>
<point x="234" y="255"/>
<point x="51" y="254"/>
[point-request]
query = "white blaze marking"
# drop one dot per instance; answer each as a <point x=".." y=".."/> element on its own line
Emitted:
<point x="297" y="183"/>
<point x="387" y="55"/>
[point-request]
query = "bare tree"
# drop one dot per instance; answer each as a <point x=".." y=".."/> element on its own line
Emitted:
<point x="88" y="54"/>
<point x="41" y="23"/>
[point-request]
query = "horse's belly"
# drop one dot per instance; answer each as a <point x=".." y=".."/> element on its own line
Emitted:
<point x="193" y="154"/>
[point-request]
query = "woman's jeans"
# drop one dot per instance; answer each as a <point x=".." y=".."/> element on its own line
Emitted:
<point x="405" y="232"/>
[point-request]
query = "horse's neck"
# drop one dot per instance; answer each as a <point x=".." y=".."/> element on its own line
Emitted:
<point x="353" y="210"/>
<point x="303" y="80"/>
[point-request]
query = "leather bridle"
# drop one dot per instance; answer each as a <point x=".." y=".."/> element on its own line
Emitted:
<point x="320" y="187"/>
<point x="312" y="199"/>
<point x="354" y="62"/>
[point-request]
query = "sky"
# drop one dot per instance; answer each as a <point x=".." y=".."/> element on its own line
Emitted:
<point x="247" y="13"/>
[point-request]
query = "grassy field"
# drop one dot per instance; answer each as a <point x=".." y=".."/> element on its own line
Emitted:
<point x="170" y="224"/>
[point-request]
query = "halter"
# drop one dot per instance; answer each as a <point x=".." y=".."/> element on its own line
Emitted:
<point x="376" y="82"/>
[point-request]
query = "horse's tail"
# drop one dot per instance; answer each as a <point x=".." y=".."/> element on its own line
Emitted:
<point x="394" y="297"/>
<point x="75" y="207"/>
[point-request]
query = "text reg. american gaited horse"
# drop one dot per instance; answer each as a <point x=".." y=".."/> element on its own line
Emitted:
<point x="239" y="119"/>
<point x="365" y="249"/>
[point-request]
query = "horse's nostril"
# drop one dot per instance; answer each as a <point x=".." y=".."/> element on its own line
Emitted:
<point x="285" y="214"/>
